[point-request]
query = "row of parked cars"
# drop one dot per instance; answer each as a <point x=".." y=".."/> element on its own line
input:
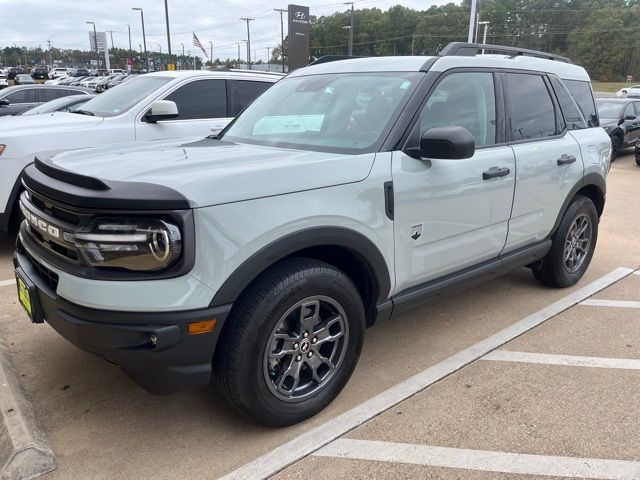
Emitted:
<point x="98" y="83"/>
<point x="239" y="226"/>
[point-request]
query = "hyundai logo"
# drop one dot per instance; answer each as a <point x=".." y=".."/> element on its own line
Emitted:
<point x="300" y="15"/>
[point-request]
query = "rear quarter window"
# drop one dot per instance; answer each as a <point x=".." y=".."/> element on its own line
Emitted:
<point x="570" y="111"/>
<point x="583" y="95"/>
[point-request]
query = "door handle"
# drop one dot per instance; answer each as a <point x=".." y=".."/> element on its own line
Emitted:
<point x="566" y="159"/>
<point x="495" y="172"/>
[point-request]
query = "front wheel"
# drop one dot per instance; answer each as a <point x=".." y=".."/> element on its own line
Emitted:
<point x="572" y="245"/>
<point x="615" y="147"/>
<point x="292" y="343"/>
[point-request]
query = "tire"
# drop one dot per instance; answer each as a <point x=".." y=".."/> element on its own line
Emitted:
<point x="247" y="372"/>
<point x="638" y="160"/>
<point x="555" y="270"/>
<point x="615" y="147"/>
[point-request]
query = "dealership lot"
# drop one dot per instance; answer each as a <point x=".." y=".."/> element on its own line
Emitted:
<point x="101" y="425"/>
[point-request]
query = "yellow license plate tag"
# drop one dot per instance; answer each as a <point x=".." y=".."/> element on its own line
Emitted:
<point x="23" y="296"/>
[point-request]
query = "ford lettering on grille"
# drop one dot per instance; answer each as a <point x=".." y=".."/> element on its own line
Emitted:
<point x="39" y="223"/>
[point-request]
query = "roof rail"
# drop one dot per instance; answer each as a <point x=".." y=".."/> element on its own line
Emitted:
<point x="332" y="58"/>
<point x="464" y="49"/>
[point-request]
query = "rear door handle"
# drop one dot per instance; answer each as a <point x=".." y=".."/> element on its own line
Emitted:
<point x="495" y="172"/>
<point x="566" y="159"/>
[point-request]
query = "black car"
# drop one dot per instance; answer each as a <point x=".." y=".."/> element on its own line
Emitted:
<point x="13" y="71"/>
<point x="40" y="73"/>
<point x="18" y="99"/>
<point x="620" y="117"/>
<point x="81" y="72"/>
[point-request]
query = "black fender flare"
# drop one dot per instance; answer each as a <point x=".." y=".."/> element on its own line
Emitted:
<point x="590" y="179"/>
<point x="349" y="239"/>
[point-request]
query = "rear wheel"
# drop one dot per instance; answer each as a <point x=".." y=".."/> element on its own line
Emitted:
<point x="292" y="344"/>
<point x="572" y="245"/>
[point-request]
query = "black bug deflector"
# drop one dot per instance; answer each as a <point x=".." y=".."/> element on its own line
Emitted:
<point x="71" y="188"/>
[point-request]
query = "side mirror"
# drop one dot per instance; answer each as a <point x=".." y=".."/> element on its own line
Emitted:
<point x="450" y="143"/>
<point x="162" y="110"/>
<point x="4" y="102"/>
<point x="629" y="117"/>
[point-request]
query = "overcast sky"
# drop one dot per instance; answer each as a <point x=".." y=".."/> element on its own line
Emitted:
<point x="33" y="22"/>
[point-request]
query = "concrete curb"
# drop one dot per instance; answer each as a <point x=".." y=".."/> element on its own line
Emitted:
<point x="24" y="449"/>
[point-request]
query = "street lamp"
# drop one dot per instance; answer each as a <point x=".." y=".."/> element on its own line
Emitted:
<point x="144" y="37"/>
<point x="182" y="59"/>
<point x="484" y="35"/>
<point x="350" y="47"/>
<point x="95" y="43"/>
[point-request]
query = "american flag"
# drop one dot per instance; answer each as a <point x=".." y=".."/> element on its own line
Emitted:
<point x="196" y="43"/>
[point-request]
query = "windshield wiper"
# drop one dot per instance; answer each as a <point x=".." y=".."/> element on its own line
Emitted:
<point x="84" y="112"/>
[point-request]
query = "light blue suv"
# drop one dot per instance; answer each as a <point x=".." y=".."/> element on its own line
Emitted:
<point x="349" y="192"/>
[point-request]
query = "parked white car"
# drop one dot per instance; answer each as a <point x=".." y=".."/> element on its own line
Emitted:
<point x="155" y="106"/>
<point x="632" y="91"/>
<point x="57" y="72"/>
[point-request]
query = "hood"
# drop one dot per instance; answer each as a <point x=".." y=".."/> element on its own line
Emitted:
<point x="57" y="121"/>
<point x="210" y="172"/>
<point x="609" y="122"/>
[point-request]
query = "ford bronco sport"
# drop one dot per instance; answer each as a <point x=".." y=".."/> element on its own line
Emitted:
<point x="349" y="192"/>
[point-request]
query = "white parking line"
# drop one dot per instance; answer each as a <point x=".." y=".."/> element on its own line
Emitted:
<point x="315" y="438"/>
<point x="570" y="360"/>
<point x="6" y="283"/>
<point x="481" y="460"/>
<point x="637" y="272"/>
<point x="596" y="302"/>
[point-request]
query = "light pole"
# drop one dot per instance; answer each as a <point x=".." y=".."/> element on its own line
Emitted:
<point x="350" y="30"/>
<point x="144" y="37"/>
<point x="166" y="14"/>
<point x="245" y="19"/>
<point x="211" y="50"/>
<point x="182" y="59"/>
<point x="268" y="58"/>
<point x="281" y="10"/>
<point x="238" y="55"/>
<point x="129" y="28"/>
<point x="95" y="43"/>
<point x="349" y="48"/>
<point x="484" y="35"/>
<point x="472" y="19"/>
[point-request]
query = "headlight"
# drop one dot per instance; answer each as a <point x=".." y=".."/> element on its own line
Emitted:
<point x="132" y="244"/>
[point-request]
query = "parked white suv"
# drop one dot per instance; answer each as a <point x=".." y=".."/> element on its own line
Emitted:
<point x="349" y="192"/>
<point x="193" y="104"/>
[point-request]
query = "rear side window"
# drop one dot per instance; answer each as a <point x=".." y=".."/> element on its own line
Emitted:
<point x="572" y="115"/>
<point x="583" y="95"/>
<point x="27" y="95"/>
<point x="532" y="112"/>
<point x="637" y="105"/>
<point x="201" y="99"/>
<point x="48" y="94"/>
<point x="248" y="91"/>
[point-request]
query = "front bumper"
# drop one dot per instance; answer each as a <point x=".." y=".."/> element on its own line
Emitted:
<point x="175" y="361"/>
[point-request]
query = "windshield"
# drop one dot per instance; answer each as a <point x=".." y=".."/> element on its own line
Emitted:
<point x="609" y="109"/>
<point x="342" y="113"/>
<point x="54" y="105"/>
<point x="119" y="100"/>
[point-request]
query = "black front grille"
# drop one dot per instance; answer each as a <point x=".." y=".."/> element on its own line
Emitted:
<point x="49" y="276"/>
